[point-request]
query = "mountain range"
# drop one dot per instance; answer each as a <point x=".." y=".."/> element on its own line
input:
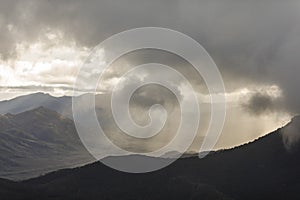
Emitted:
<point x="62" y="105"/>
<point x="40" y="140"/>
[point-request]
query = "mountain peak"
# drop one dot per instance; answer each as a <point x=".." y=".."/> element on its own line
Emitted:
<point x="40" y="109"/>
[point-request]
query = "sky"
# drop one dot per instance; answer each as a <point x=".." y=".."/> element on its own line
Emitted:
<point x="255" y="44"/>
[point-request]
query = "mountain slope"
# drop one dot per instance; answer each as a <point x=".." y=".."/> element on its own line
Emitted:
<point x="38" y="141"/>
<point x="262" y="169"/>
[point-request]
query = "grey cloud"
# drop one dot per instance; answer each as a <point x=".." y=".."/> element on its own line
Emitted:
<point x="252" y="42"/>
<point x="139" y="106"/>
<point x="154" y="94"/>
<point x="262" y="103"/>
<point x="136" y="58"/>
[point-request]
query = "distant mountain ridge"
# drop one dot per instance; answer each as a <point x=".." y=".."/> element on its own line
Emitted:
<point x="62" y="105"/>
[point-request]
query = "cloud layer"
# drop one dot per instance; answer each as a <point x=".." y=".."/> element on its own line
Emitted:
<point x="255" y="44"/>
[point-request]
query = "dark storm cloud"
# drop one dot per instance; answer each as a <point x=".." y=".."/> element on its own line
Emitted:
<point x="262" y="103"/>
<point x="252" y="42"/>
<point x="149" y="95"/>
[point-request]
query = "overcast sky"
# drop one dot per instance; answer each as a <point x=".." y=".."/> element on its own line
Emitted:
<point x="255" y="44"/>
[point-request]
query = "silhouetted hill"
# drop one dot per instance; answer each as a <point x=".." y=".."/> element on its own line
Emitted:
<point x="38" y="141"/>
<point x="263" y="169"/>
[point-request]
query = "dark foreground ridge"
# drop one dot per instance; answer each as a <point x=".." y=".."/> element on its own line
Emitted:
<point x="263" y="169"/>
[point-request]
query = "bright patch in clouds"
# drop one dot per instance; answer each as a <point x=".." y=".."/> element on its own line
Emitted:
<point x="42" y="65"/>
